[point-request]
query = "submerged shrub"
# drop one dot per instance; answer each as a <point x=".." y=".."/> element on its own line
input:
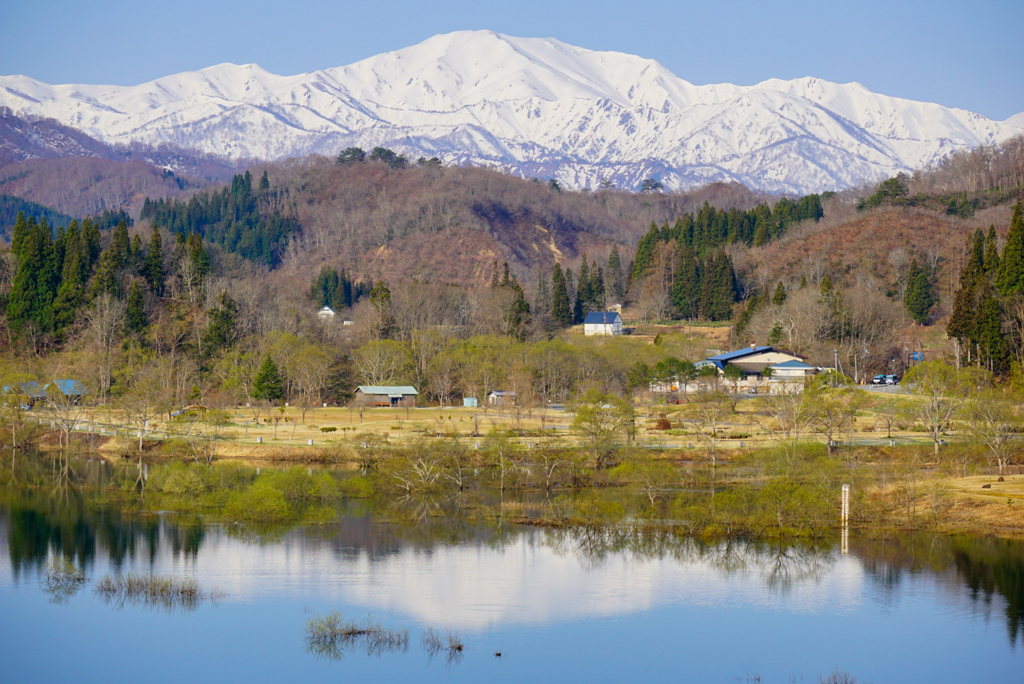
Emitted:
<point x="152" y="590"/>
<point x="356" y="487"/>
<point x="260" y="503"/>
<point x="62" y="580"/>
<point x="183" y="480"/>
<point x="300" y="486"/>
<point x="329" y="635"/>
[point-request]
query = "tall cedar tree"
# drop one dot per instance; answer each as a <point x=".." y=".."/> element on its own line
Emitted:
<point x="120" y="247"/>
<point x="991" y="253"/>
<point x="267" y="385"/>
<point x="153" y="270"/>
<point x="221" y="332"/>
<point x="991" y="343"/>
<point x="616" y="286"/>
<point x="779" y="298"/>
<point x="19" y="233"/>
<point x="686" y="288"/>
<point x="135" y="312"/>
<point x="919" y="298"/>
<point x="718" y="289"/>
<point x="35" y="282"/>
<point x="1010" y="277"/>
<point x="516" y="317"/>
<point x="561" y="311"/>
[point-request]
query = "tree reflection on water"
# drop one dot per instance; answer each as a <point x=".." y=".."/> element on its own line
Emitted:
<point x="83" y="524"/>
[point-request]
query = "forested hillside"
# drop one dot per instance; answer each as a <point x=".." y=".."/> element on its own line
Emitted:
<point x="460" y="280"/>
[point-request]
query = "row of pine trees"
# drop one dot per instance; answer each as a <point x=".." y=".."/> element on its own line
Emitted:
<point x="246" y="220"/>
<point x="990" y="283"/>
<point x="57" y="275"/>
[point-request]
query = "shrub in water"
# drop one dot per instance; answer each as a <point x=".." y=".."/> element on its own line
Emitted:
<point x="260" y="503"/>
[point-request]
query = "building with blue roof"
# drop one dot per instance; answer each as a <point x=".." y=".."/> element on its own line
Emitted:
<point x="70" y="388"/>
<point x="602" y="323"/>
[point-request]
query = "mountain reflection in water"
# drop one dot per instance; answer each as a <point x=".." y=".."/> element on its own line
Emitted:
<point x="482" y="576"/>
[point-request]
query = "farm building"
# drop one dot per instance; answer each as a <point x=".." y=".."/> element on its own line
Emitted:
<point x="386" y="395"/>
<point x="29" y="392"/>
<point x="502" y="398"/>
<point x="602" y="323"/>
<point x="72" y="389"/>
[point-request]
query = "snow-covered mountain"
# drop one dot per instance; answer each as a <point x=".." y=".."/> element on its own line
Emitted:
<point x="537" y="107"/>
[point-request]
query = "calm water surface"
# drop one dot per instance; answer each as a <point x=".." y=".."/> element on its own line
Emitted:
<point x="559" y="606"/>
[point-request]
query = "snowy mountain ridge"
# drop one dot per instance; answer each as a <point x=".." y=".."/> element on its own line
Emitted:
<point x="532" y="106"/>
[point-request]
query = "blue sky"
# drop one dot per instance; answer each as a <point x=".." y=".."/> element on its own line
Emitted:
<point x="957" y="54"/>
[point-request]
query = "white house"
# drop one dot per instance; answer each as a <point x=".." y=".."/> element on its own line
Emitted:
<point x="602" y="323"/>
<point x="326" y="313"/>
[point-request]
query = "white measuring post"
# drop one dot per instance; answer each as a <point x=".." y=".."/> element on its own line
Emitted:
<point x="846" y="505"/>
<point x="846" y="520"/>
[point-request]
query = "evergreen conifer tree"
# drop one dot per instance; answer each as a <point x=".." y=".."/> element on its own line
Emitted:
<point x="106" y="276"/>
<point x="561" y="311"/>
<point x="961" y="325"/>
<point x="991" y="253"/>
<point x="180" y="249"/>
<point x="616" y="286"/>
<point x="687" y="286"/>
<point x="779" y="298"/>
<point x="91" y="243"/>
<point x="135" y="311"/>
<point x="718" y="289"/>
<point x="919" y="298"/>
<point x="645" y="253"/>
<point x="989" y="331"/>
<point x="1010" y="277"/>
<point x="34" y="285"/>
<point x="975" y="265"/>
<point x="517" y="313"/>
<point x="197" y="255"/>
<point x="597" y="287"/>
<point x="267" y="385"/>
<point x="120" y="249"/>
<point x="153" y="270"/>
<point x="221" y="332"/>
<point x="19" y="233"/>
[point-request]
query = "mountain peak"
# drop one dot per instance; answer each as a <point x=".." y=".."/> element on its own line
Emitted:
<point x="533" y="106"/>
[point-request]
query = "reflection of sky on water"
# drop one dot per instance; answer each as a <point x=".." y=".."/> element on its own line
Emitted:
<point x="561" y="607"/>
<point x="526" y="580"/>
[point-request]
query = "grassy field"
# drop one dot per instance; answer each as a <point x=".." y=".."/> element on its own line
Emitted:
<point x="748" y="428"/>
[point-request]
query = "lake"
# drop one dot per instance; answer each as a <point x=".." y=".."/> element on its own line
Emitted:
<point x="596" y="605"/>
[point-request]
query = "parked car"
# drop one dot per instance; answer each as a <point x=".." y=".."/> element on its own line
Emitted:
<point x="878" y="380"/>
<point x="892" y="380"/>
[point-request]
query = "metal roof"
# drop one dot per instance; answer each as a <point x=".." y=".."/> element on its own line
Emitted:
<point x="30" y="388"/>
<point x="792" y="364"/>
<point x="390" y="390"/>
<point x="69" y="387"/>
<point x="602" y="318"/>
<point x="722" y="359"/>
<point x="739" y="354"/>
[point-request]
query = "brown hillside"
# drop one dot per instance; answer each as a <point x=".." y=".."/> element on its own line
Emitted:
<point x="80" y="186"/>
<point x="452" y="224"/>
<point x="875" y="245"/>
